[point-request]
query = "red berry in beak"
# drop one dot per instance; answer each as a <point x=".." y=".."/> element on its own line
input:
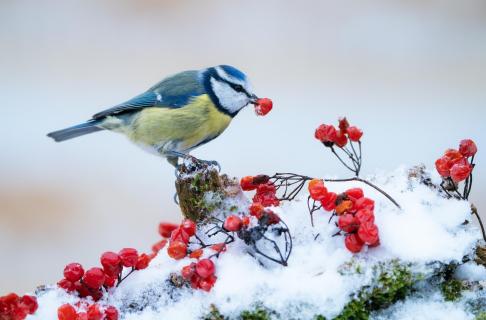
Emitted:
<point x="263" y="106"/>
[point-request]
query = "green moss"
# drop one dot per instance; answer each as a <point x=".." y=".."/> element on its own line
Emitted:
<point x="258" y="314"/>
<point x="481" y="316"/>
<point x="214" y="314"/>
<point x="199" y="194"/>
<point x="355" y="310"/>
<point x="394" y="283"/>
<point x="452" y="289"/>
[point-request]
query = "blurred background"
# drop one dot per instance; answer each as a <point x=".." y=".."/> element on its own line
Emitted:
<point x="412" y="74"/>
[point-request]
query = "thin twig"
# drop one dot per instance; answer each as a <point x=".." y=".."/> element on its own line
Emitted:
<point x="369" y="184"/>
<point x="474" y="210"/>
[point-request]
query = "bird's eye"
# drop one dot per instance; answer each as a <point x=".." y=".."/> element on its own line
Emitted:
<point x="238" y="88"/>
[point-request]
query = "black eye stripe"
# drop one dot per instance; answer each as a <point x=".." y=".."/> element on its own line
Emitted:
<point x="238" y="87"/>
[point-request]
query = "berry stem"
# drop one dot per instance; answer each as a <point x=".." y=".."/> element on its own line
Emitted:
<point x="358" y="157"/>
<point x="342" y="161"/>
<point x="474" y="210"/>
<point x="369" y="184"/>
<point x="122" y="279"/>
<point x="282" y="180"/>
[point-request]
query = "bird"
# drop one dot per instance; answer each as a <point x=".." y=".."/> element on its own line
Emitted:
<point x="177" y="115"/>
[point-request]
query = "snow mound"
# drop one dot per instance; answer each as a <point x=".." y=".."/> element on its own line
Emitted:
<point x="322" y="276"/>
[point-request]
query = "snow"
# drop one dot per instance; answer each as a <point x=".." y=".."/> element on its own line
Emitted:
<point x="425" y="308"/>
<point x="322" y="275"/>
<point x="471" y="272"/>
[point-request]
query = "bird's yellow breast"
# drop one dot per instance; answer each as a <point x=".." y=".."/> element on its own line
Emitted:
<point x="178" y="129"/>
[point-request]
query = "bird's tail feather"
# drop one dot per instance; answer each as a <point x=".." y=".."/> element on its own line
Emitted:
<point x="75" y="131"/>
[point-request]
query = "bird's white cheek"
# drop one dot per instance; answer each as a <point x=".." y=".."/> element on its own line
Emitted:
<point x="229" y="99"/>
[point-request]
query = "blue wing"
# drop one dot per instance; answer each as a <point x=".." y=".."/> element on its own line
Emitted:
<point x="173" y="92"/>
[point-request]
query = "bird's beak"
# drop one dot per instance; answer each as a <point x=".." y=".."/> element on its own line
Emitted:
<point x="253" y="99"/>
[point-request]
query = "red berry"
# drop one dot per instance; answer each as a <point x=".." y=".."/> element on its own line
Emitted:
<point x="329" y="202"/>
<point x="266" y="195"/>
<point x="17" y="314"/>
<point x="263" y="106"/>
<point x="8" y="304"/>
<point x="326" y="133"/>
<point x="66" y="285"/>
<point x="29" y="304"/>
<point x="143" y="262"/>
<point x="73" y="272"/>
<point x="111" y="313"/>
<point x="219" y="247"/>
<point x="233" y="223"/>
<point x="165" y="229"/>
<point x="344" y="207"/>
<point x="271" y="217"/>
<point x="246" y="221"/>
<point x="128" y="257"/>
<point x="82" y="289"/>
<point x="195" y="281"/>
<point x="364" y="203"/>
<point x="94" y="312"/>
<point x="460" y="172"/>
<point x="247" y="184"/>
<point x="188" y="271"/>
<point x="348" y="223"/>
<point x="96" y="295"/>
<point x="205" y="268"/>
<point x="256" y="210"/>
<point x="94" y="278"/>
<point x="453" y="155"/>
<point x="196" y="254"/>
<point x="343" y="125"/>
<point x="179" y="235"/>
<point x="111" y="263"/>
<point x="317" y="189"/>
<point x="82" y="316"/>
<point x="443" y="167"/>
<point x="66" y="312"/>
<point x="355" y="194"/>
<point x="177" y="250"/>
<point x="189" y="227"/>
<point x="353" y="243"/>
<point x="341" y="139"/>
<point x="368" y="233"/>
<point x="365" y="215"/>
<point x="208" y="283"/>
<point x="468" y="148"/>
<point x="159" y="246"/>
<point x="354" y="134"/>
<point x="110" y="281"/>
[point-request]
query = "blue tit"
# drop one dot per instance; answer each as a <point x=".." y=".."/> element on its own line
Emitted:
<point x="177" y="115"/>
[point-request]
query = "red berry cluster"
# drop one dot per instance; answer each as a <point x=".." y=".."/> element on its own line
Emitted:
<point x="265" y="196"/>
<point x="457" y="164"/>
<point x="13" y="307"/>
<point x="263" y="106"/>
<point x="266" y="192"/>
<point x="85" y="311"/>
<point x="329" y="135"/>
<point x="201" y="275"/>
<point x="355" y="213"/>
<point x="179" y="236"/>
<point x="91" y="282"/>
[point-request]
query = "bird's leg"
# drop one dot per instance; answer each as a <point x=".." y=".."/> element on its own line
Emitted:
<point x="171" y="155"/>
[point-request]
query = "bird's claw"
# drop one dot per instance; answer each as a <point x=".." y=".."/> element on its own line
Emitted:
<point x="198" y="163"/>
